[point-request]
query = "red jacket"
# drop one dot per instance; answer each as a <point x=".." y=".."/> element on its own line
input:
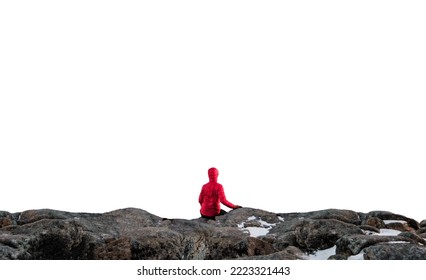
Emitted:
<point x="212" y="195"/>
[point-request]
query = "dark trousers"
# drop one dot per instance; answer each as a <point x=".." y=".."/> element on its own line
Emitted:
<point x="222" y="212"/>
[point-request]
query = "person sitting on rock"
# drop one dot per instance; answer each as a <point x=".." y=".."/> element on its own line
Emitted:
<point x="212" y="194"/>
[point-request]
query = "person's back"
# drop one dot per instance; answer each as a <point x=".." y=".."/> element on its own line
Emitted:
<point x="212" y="194"/>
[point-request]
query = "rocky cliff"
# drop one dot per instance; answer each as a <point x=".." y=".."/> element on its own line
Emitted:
<point x="244" y="233"/>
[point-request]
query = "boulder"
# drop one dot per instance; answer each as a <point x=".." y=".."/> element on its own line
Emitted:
<point x="414" y="237"/>
<point x="398" y="251"/>
<point x="7" y="219"/>
<point x="385" y="215"/>
<point x="374" y="222"/>
<point x="399" y="226"/>
<point x="347" y="216"/>
<point x="321" y="234"/>
<point x="353" y="244"/>
<point x="281" y="241"/>
<point x="287" y="225"/>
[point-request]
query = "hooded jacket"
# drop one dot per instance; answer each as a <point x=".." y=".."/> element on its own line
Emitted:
<point x="212" y="194"/>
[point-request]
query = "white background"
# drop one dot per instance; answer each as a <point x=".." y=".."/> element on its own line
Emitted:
<point x="301" y="105"/>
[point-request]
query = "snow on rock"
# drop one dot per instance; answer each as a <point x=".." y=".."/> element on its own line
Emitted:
<point x="256" y="231"/>
<point x="256" y="226"/>
<point x="387" y="222"/>
<point x="387" y="232"/>
<point x="383" y="232"/>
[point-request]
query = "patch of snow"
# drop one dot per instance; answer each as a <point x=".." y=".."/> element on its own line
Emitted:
<point x="394" y="221"/>
<point x="322" y="254"/>
<point x="281" y="218"/>
<point x="389" y="232"/>
<point x="383" y="232"/>
<point x="266" y="224"/>
<point x="397" y="242"/>
<point x="257" y="231"/>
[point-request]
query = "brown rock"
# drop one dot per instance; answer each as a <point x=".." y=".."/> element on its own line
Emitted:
<point x="6" y="221"/>
<point x="375" y="222"/>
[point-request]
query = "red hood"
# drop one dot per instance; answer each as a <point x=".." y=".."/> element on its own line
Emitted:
<point x="213" y="174"/>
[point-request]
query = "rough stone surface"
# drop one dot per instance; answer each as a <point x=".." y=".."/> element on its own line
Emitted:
<point x="136" y="234"/>
<point x="421" y="231"/>
<point x="414" y="237"/>
<point x="346" y="216"/>
<point x="321" y="234"/>
<point x="337" y="257"/>
<point x="369" y="228"/>
<point x="353" y="244"/>
<point x="400" y="251"/>
<point x="374" y="222"/>
<point x="290" y="253"/>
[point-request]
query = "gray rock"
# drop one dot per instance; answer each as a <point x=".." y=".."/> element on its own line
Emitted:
<point x="314" y="235"/>
<point x="337" y="257"/>
<point x="413" y="236"/>
<point x="281" y="241"/>
<point x="346" y="216"/>
<point x="288" y="225"/>
<point x="353" y="244"/>
<point x="399" y="251"/>
<point x="423" y="224"/>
